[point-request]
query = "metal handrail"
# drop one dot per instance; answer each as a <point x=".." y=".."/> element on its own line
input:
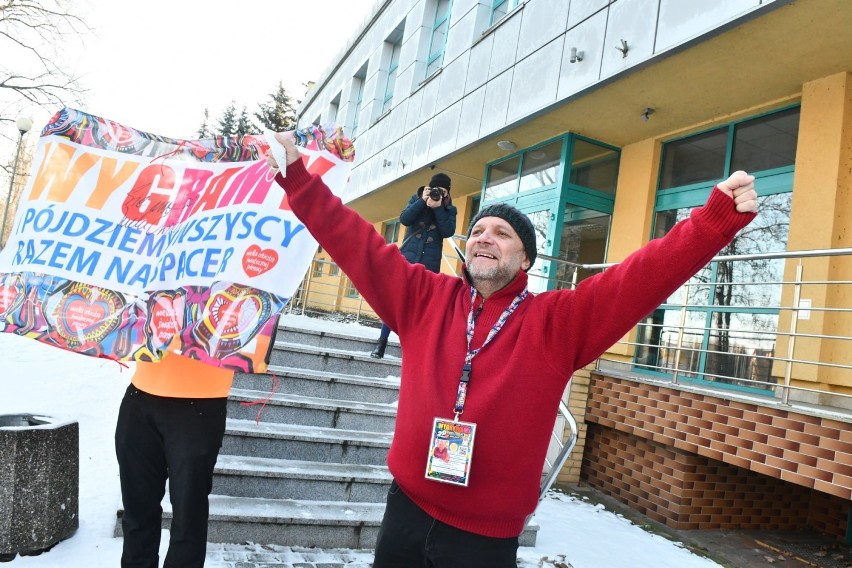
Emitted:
<point x="565" y="450"/>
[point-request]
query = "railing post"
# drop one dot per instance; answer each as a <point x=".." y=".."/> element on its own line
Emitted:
<point x="681" y="331"/>
<point x="791" y="344"/>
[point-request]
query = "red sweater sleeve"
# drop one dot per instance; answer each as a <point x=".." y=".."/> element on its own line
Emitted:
<point x="378" y="271"/>
<point x="606" y="306"/>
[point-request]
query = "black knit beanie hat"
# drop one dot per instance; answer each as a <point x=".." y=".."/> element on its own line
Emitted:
<point x="519" y="222"/>
<point x="440" y="180"/>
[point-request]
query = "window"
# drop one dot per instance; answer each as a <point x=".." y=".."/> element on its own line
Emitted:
<point x="357" y="96"/>
<point x="393" y="45"/>
<point x="333" y="269"/>
<point x="350" y="291"/>
<point x="391" y="232"/>
<point x="333" y="108"/>
<point x="440" y="29"/>
<point x="317" y="269"/>
<point x="731" y="324"/>
<point x="594" y="166"/>
<point x="501" y="8"/>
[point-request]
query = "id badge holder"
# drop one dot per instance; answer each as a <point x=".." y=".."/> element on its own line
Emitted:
<point x="450" y="451"/>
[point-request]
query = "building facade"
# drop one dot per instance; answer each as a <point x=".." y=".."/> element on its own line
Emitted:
<point x="607" y="121"/>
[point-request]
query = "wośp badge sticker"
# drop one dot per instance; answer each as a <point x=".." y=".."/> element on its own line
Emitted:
<point x="450" y="451"/>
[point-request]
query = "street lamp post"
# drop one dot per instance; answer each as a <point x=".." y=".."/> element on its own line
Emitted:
<point x="24" y="124"/>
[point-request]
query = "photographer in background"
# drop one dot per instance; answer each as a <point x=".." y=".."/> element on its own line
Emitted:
<point x="430" y="217"/>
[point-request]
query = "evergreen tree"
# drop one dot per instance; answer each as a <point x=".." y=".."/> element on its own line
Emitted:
<point x="280" y="114"/>
<point x="245" y="125"/>
<point x="227" y="125"/>
<point x="204" y="129"/>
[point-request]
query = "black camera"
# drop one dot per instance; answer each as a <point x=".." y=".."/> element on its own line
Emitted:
<point x="435" y="194"/>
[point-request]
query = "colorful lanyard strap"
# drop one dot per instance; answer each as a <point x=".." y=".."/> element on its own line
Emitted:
<point x="468" y="359"/>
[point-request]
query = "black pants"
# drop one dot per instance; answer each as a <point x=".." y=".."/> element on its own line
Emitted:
<point x="159" y="438"/>
<point x="410" y="538"/>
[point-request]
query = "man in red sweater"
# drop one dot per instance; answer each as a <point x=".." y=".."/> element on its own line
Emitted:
<point x="490" y="366"/>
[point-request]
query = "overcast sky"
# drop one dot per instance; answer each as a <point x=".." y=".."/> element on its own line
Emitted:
<point x="156" y="65"/>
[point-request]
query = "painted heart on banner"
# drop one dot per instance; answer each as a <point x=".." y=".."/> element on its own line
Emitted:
<point x="256" y="261"/>
<point x="166" y="316"/>
<point x="9" y="299"/>
<point x="85" y="318"/>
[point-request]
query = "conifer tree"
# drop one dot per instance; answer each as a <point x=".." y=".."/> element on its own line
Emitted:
<point x="280" y="113"/>
<point x="204" y="129"/>
<point x="227" y="125"/>
<point x="244" y="124"/>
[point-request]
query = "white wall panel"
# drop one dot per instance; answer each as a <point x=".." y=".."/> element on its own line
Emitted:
<point x="462" y="25"/>
<point x="445" y="128"/>
<point x="505" y="45"/>
<point x="430" y="97"/>
<point x="541" y="23"/>
<point x="470" y="117"/>
<point x="451" y="82"/>
<point x="681" y="21"/>
<point x="421" y="145"/>
<point x="496" y="103"/>
<point x="396" y="122"/>
<point x="480" y="61"/>
<point x="629" y="20"/>
<point x="412" y="114"/>
<point x="588" y="38"/>
<point x="582" y="9"/>
<point x="406" y="152"/>
<point x="535" y="80"/>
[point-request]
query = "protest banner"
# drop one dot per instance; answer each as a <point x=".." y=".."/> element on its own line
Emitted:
<point x="127" y="244"/>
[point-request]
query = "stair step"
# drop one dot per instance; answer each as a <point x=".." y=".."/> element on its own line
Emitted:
<point x="308" y="443"/>
<point x="291" y="332"/>
<point x="311" y="411"/>
<point x="291" y="522"/>
<point x="322" y="384"/>
<point x="333" y="360"/>
<point x="250" y="476"/>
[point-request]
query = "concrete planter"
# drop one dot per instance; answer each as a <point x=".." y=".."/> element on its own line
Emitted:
<point x="39" y="483"/>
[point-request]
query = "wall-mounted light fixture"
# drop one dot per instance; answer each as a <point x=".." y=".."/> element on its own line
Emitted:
<point x="576" y="55"/>
<point x="623" y="48"/>
<point x="386" y="163"/>
<point x="507" y="145"/>
<point x="646" y="113"/>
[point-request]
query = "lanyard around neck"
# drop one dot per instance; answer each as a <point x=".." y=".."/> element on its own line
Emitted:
<point x="468" y="358"/>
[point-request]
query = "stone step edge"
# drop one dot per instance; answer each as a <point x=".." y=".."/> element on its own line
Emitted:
<point x="388" y="360"/>
<point x="290" y="511"/>
<point x="301" y="401"/>
<point x="228" y="464"/>
<point x="281" y="430"/>
<point x="391" y="381"/>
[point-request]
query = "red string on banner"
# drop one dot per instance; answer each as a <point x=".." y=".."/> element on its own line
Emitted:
<point x="262" y="402"/>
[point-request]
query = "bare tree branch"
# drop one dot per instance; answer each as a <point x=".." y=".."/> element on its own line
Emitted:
<point x="35" y="37"/>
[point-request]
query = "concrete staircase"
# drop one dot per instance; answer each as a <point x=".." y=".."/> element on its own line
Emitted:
<point x="303" y="458"/>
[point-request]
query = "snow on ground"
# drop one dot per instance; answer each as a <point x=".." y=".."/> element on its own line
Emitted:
<point x="43" y="380"/>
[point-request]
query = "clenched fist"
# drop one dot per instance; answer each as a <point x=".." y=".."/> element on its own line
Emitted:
<point x="740" y="187"/>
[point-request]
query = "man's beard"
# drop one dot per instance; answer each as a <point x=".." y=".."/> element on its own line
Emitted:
<point x="496" y="277"/>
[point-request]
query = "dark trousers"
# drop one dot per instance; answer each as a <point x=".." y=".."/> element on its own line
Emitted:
<point x="410" y="538"/>
<point x="384" y="333"/>
<point x="159" y="438"/>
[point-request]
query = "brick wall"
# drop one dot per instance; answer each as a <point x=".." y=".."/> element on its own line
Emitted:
<point x="694" y="461"/>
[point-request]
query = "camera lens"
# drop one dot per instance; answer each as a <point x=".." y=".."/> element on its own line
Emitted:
<point x="435" y="194"/>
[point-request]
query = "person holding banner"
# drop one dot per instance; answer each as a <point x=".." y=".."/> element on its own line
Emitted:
<point x="430" y="217"/>
<point x="486" y="361"/>
<point x="170" y="426"/>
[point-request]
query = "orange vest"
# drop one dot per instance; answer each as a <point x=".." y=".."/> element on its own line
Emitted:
<point x="182" y="377"/>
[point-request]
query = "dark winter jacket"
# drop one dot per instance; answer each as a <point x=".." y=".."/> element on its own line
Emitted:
<point x="426" y="230"/>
